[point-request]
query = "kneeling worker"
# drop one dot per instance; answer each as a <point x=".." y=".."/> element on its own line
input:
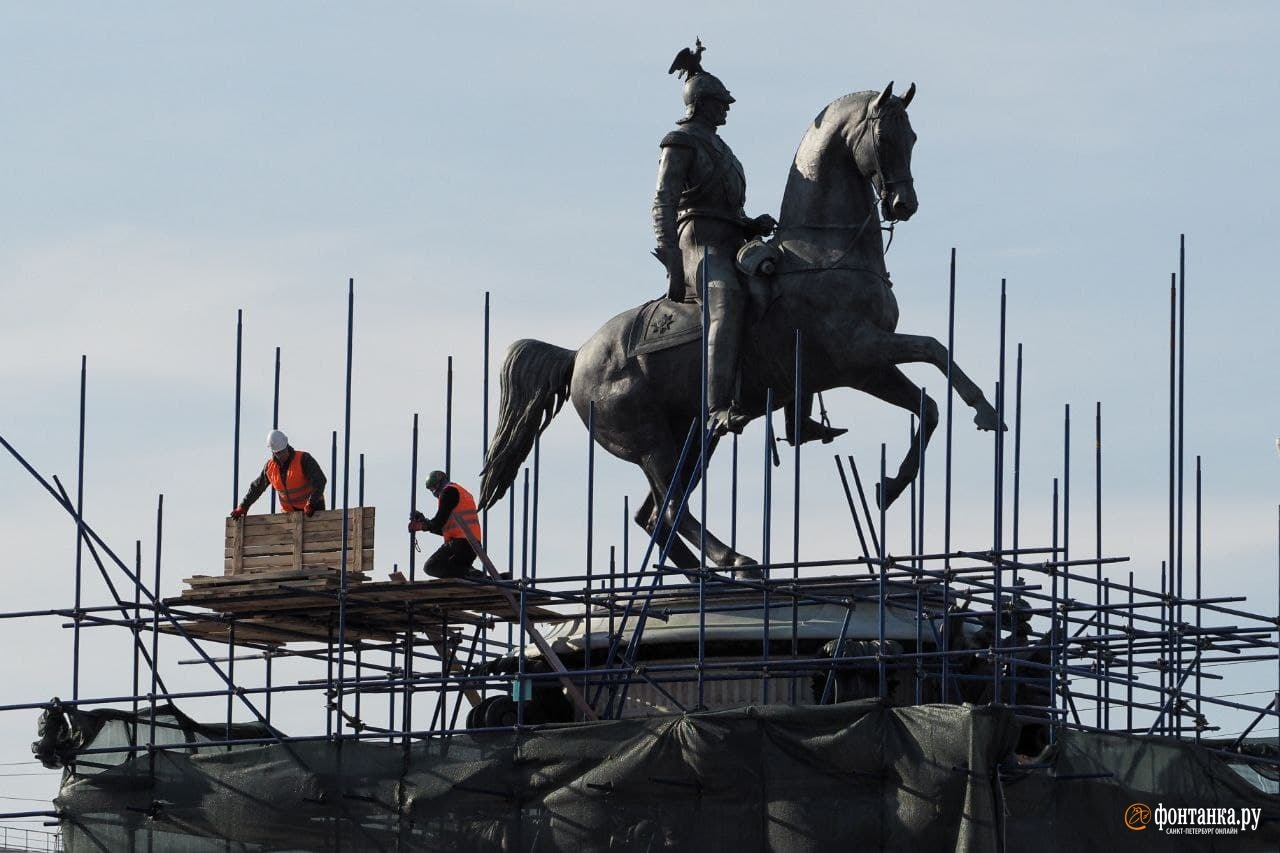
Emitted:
<point x="295" y="475"/>
<point x="455" y="511"/>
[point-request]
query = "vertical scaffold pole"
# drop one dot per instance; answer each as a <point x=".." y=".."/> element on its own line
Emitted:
<point x="333" y="467"/>
<point x="518" y="686"/>
<point x="235" y="433"/>
<point x="155" y="636"/>
<point x="920" y="476"/>
<point x="703" y="447"/>
<point x="137" y="633"/>
<point x="733" y="494"/>
<point x="797" y="426"/>
<point x="1166" y="648"/>
<point x="346" y="508"/>
<point x="484" y="422"/>
<point x="532" y="532"/>
<point x="1182" y="399"/>
<point x="1101" y="625"/>
<point x="448" y="416"/>
<point x="1057" y="621"/>
<point x="413" y="495"/>
<point x="765" y="534"/>
<point x="1067" y="607"/>
<point x="1129" y="663"/>
<point x="880" y="653"/>
<point x="591" y="506"/>
<point x="1017" y="459"/>
<point x="79" y="581"/>
<point x="1199" y="593"/>
<point x="231" y="678"/>
<point x="275" y="416"/>
<point x="1001" y="386"/>
<point x="946" y="505"/>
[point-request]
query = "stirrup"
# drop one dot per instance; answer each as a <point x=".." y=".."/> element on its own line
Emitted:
<point x="728" y="419"/>
<point x="811" y="430"/>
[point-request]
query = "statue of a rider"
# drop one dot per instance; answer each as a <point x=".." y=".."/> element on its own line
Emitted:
<point x="698" y="212"/>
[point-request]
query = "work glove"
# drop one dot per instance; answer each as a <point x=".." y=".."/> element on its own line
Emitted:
<point x="416" y="526"/>
<point x="308" y="510"/>
<point x="238" y="512"/>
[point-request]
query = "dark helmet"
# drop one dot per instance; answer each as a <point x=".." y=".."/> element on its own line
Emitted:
<point x="703" y="87"/>
<point x="698" y="84"/>
<point x="437" y="480"/>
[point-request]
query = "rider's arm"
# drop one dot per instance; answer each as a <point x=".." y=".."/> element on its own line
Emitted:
<point x="448" y="503"/>
<point x="256" y="488"/>
<point x="673" y="171"/>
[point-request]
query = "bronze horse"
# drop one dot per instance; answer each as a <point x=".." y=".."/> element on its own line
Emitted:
<point x="831" y="285"/>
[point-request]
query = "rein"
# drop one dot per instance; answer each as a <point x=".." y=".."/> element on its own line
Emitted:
<point x="882" y="196"/>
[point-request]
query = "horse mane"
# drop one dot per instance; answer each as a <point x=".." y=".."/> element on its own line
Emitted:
<point x="851" y="106"/>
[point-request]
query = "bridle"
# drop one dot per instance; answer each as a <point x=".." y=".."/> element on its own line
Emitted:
<point x="871" y="123"/>
<point x="880" y="184"/>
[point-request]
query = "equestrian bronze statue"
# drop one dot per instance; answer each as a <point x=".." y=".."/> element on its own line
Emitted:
<point x="643" y="369"/>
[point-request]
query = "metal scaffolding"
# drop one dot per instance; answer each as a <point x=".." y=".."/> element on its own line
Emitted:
<point x="1065" y="641"/>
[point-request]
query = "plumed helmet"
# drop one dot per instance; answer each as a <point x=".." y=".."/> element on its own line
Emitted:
<point x="277" y="441"/>
<point x="436" y="480"/>
<point x="698" y="84"/>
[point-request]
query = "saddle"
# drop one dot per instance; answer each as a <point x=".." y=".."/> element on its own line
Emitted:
<point x="662" y="324"/>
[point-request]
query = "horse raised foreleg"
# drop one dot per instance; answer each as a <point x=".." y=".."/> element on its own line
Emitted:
<point x="901" y="348"/>
<point x="891" y="385"/>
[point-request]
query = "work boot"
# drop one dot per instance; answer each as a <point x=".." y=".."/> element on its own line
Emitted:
<point x="725" y="306"/>
<point x="810" y="430"/>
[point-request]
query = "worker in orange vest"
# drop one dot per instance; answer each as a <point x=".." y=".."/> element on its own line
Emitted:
<point x="455" y="512"/>
<point x="294" y="474"/>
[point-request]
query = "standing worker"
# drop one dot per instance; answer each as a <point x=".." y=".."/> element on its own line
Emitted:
<point x="456" y="512"/>
<point x="294" y="474"/>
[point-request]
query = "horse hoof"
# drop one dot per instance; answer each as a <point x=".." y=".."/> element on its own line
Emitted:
<point x="893" y="489"/>
<point x="987" y="420"/>
<point x="746" y="569"/>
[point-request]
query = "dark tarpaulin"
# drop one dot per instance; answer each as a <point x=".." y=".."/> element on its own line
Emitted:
<point x="853" y="776"/>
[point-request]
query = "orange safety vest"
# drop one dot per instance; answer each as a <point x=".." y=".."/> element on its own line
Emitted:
<point x="294" y="488"/>
<point x="463" y="515"/>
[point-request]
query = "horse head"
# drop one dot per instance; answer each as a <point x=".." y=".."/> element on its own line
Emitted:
<point x="882" y="149"/>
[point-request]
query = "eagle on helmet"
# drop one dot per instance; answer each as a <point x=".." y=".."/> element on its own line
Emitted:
<point x="698" y="85"/>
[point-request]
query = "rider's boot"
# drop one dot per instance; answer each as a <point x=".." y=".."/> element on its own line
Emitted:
<point x="810" y="430"/>
<point x="726" y="305"/>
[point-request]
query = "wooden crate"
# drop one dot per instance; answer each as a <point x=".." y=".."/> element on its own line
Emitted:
<point x="291" y="541"/>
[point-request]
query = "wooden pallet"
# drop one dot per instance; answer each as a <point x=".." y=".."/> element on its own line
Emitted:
<point x="291" y="541"/>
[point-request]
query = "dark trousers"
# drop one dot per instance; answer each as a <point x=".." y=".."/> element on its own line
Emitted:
<point x="453" y="559"/>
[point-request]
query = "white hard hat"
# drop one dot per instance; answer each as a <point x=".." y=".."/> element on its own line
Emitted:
<point x="277" y="441"/>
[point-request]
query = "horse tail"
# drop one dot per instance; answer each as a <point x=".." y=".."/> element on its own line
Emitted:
<point x="535" y="384"/>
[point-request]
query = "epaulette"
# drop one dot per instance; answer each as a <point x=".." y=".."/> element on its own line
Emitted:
<point x="679" y="138"/>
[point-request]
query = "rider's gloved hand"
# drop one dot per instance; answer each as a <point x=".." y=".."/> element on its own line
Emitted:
<point x="675" y="278"/>
<point x="763" y="225"/>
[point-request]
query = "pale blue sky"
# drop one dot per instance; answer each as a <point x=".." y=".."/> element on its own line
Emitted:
<point x="167" y="164"/>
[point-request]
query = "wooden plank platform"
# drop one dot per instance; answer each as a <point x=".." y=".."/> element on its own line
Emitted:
<point x="287" y="608"/>
<point x="282" y="576"/>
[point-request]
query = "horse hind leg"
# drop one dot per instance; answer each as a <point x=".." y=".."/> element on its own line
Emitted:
<point x="660" y="467"/>
<point x="678" y="553"/>
<point x="892" y="385"/>
<point x="901" y="348"/>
